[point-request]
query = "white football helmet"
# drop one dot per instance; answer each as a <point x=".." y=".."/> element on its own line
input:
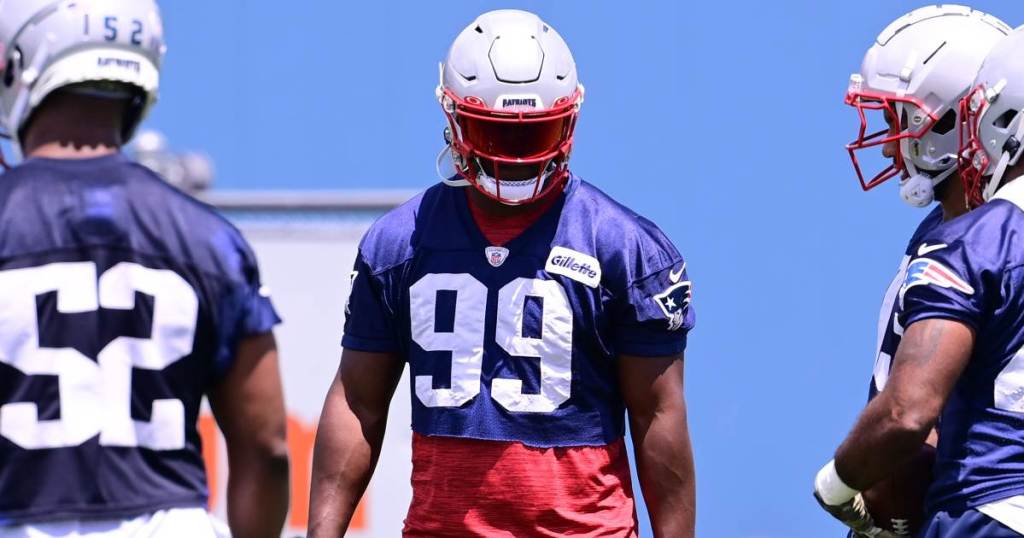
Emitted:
<point x="916" y="72"/>
<point x="510" y="94"/>
<point x="48" y="45"/>
<point x="992" y="129"/>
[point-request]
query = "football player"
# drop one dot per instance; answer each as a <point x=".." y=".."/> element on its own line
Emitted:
<point x="533" y="311"/>
<point x="959" y="363"/>
<point x="122" y="302"/>
<point x="914" y="75"/>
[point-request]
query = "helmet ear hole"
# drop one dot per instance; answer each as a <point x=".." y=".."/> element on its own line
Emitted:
<point x="946" y="123"/>
<point x="15" y="61"/>
<point x="1005" y="119"/>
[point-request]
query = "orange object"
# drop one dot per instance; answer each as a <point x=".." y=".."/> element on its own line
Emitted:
<point x="210" y="436"/>
<point x="301" y="436"/>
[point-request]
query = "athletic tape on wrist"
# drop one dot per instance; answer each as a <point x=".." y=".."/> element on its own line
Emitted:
<point x="832" y="490"/>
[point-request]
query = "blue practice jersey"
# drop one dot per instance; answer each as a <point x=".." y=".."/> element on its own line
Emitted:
<point x="890" y="332"/>
<point x="518" y="343"/>
<point x="121" y="302"/>
<point x="971" y="269"/>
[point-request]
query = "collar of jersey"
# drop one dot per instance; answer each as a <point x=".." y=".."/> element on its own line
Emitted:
<point x="537" y="237"/>
<point x="113" y="158"/>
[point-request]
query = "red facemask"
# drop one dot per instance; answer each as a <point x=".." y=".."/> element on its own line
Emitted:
<point x="973" y="160"/>
<point x="865" y="101"/>
<point x="542" y="139"/>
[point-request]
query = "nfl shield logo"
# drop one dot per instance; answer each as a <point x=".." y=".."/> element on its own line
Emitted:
<point x="496" y="255"/>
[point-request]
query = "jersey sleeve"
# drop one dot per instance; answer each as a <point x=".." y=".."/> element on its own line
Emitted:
<point x="369" y="318"/>
<point x="656" y="314"/>
<point x="246" y="308"/>
<point x="949" y="282"/>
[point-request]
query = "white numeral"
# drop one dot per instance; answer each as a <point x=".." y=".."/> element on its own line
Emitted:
<point x="95" y="397"/>
<point x="466" y="340"/>
<point x="886" y="317"/>
<point x="553" y="348"/>
<point x="77" y="376"/>
<point x="1008" y="392"/>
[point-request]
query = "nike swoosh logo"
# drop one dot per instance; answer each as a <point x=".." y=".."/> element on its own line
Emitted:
<point x="674" y="276"/>
<point x="926" y="248"/>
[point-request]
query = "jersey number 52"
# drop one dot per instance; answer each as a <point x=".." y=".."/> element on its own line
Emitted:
<point x="465" y="340"/>
<point x="95" y="396"/>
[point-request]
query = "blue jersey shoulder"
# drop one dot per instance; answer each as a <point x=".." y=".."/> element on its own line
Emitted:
<point x="47" y="205"/>
<point x="630" y="246"/>
<point x="624" y="230"/>
<point x="390" y="240"/>
<point x="986" y="236"/>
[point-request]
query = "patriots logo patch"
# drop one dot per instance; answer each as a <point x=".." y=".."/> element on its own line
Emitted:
<point x="674" y="301"/>
<point x="925" y="271"/>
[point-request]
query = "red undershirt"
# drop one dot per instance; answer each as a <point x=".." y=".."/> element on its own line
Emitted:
<point x="500" y="229"/>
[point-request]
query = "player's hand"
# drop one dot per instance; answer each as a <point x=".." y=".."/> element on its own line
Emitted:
<point x="854" y="514"/>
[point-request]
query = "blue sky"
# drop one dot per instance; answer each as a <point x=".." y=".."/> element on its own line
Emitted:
<point x="721" y="121"/>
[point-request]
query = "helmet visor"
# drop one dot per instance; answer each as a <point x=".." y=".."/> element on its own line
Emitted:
<point x="515" y="136"/>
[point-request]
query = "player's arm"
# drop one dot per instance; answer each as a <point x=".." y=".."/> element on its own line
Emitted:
<point x="349" y="438"/>
<point x="249" y="407"/>
<point x="891" y="430"/>
<point x="652" y="388"/>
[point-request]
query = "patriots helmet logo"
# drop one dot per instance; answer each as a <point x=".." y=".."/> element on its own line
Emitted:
<point x="926" y="271"/>
<point x="674" y="301"/>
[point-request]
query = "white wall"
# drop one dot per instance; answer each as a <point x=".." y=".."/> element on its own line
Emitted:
<point x="307" y="268"/>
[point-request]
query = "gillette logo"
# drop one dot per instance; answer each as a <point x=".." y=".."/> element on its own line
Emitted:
<point x="571" y="264"/>
<point x="134" y="65"/>
<point x="574" y="265"/>
<point x="518" y="102"/>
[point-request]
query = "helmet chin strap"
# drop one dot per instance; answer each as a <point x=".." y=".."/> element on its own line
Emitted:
<point x="520" y="191"/>
<point x="513" y="192"/>
<point x="918" y="190"/>
<point x="997" y="177"/>
<point x="449" y="180"/>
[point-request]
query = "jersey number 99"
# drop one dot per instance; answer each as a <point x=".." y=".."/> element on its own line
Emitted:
<point x="466" y="340"/>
